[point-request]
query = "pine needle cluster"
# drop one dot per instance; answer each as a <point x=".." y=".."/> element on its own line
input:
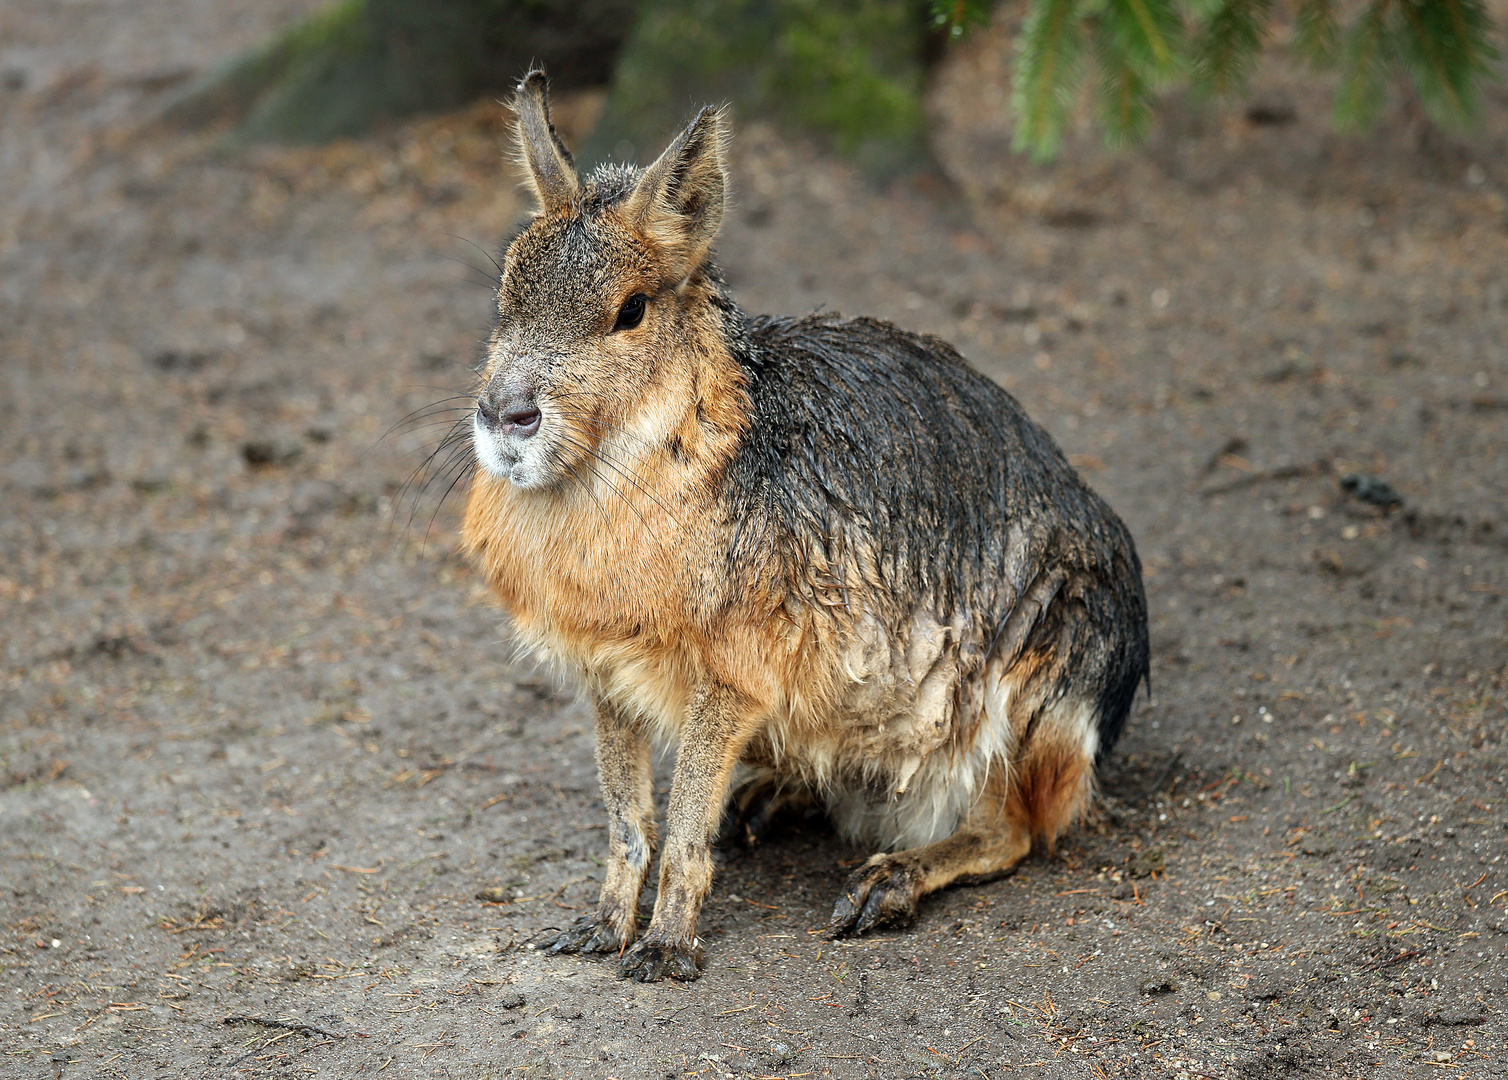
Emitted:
<point x="1129" y="50"/>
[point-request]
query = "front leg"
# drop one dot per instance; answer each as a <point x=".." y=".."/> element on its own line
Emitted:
<point x="719" y="724"/>
<point x="624" y="771"/>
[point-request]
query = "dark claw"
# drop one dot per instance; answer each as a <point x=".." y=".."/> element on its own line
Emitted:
<point x="651" y="962"/>
<point x="880" y="894"/>
<point x="586" y="934"/>
<point x="845" y="914"/>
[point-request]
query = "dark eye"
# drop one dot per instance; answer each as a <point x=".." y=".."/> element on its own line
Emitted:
<point x="631" y="314"/>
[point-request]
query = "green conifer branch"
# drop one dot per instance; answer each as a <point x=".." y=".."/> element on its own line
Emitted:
<point x="1145" y="35"/>
<point x="1315" y="31"/>
<point x="1365" y="54"/>
<point x="1227" y="47"/>
<point x="1047" y="73"/>
<point x="957" y="16"/>
<point x="1124" y="96"/>
<point x="1446" y="46"/>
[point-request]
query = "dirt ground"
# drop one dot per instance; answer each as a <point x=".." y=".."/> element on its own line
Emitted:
<point x="263" y="739"/>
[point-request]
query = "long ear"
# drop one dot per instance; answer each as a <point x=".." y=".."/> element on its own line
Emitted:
<point x="547" y="163"/>
<point x="678" y="203"/>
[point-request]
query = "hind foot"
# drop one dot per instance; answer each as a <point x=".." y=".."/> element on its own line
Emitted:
<point x="883" y="892"/>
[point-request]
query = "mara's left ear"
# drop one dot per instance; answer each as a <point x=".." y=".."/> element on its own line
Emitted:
<point x="678" y="203"/>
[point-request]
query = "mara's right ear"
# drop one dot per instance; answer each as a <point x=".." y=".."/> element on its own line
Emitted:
<point x="678" y="202"/>
<point x="547" y="163"/>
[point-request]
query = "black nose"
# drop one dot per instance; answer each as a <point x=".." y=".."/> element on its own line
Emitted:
<point x="510" y="411"/>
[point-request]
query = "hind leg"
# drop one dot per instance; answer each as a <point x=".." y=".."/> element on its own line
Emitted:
<point x="886" y="889"/>
<point x="1042" y="796"/>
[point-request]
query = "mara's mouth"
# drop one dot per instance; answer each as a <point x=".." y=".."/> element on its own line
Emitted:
<point x="512" y="448"/>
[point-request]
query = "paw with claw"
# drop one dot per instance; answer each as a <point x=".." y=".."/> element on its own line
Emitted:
<point x="880" y="893"/>
<point x="651" y="961"/>
<point x="589" y="933"/>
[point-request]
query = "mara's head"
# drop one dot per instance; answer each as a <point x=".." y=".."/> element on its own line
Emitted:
<point x="607" y="303"/>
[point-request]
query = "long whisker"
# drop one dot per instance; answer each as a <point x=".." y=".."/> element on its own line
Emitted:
<point x="604" y="429"/>
<point x="488" y="282"/>
<point x="628" y="475"/>
<point x="638" y="479"/>
<point x="459" y="429"/>
<point x="456" y="459"/>
<point x="430" y="424"/>
<point x="485" y="253"/>
<point x="453" y="394"/>
<point x="614" y="488"/>
<point x="648" y="474"/>
<point x="423" y="419"/>
<point x="569" y="442"/>
<point x="452" y="443"/>
<point x="576" y="477"/>
<point x="434" y="408"/>
<point x="601" y="428"/>
<point x="468" y="465"/>
<point x="458" y="462"/>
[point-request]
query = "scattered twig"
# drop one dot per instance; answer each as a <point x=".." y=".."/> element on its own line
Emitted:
<point x="1400" y="958"/>
<point x="958" y="1054"/>
<point x="289" y="1025"/>
<point x="1167" y="774"/>
<point x="566" y="885"/>
<point x="233" y="1062"/>
<point x="1227" y="453"/>
<point x="1317" y="467"/>
<point x="541" y="937"/>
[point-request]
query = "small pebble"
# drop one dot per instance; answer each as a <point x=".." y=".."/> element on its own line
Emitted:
<point x="1372" y="490"/>
<point x="779" y="1054"/>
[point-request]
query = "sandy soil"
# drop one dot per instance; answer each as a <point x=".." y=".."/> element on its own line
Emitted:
<point x="263" y="741"/>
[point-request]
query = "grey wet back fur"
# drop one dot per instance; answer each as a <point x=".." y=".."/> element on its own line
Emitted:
<point x="862" y="430"/>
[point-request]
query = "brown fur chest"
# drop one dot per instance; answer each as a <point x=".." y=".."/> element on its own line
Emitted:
<point x="571" y="564"/>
